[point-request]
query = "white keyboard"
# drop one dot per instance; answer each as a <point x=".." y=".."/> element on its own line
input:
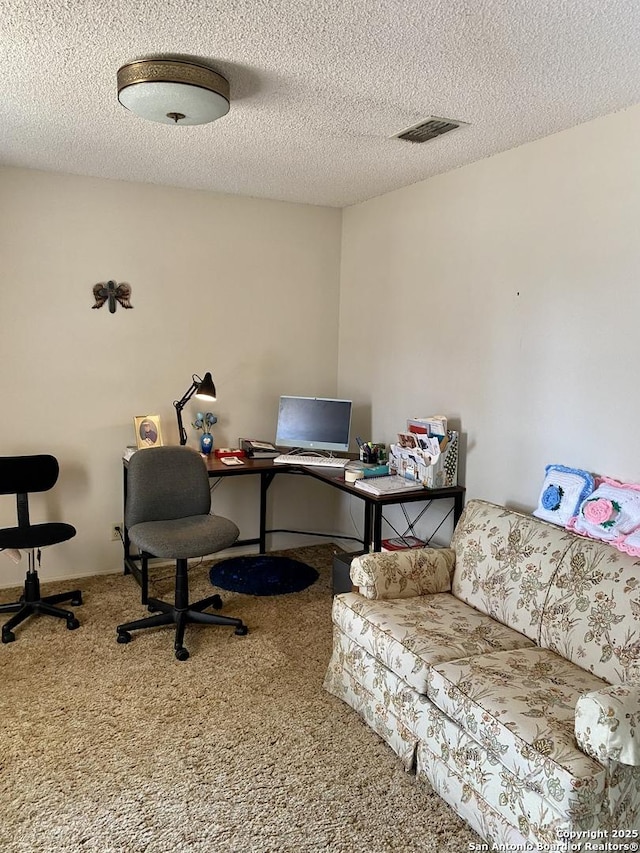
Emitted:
<point x="324" y="461"/>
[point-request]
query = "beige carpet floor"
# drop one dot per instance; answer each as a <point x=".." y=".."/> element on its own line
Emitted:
<point x="107" y="747"/>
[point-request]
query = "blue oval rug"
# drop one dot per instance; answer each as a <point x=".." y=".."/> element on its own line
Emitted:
<point x="262" y="575"/>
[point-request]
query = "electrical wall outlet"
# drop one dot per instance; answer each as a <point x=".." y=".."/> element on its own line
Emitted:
<point x="116" y="529"/>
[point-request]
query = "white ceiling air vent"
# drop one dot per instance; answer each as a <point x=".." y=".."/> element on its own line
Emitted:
<point x="428" y="129"/>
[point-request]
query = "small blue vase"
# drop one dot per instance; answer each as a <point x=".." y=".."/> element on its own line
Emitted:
<point x="206" y="443"/>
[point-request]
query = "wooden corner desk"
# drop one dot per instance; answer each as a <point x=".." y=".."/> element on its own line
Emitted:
<point x="266" y="469"/>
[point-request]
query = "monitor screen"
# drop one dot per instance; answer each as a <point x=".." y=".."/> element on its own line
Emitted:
<point x="316" y="423"/>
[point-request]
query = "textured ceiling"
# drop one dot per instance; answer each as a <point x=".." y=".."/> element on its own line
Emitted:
<point x="318" y="87"/>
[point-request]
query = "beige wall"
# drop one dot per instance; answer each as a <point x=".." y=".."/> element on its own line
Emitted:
<point x="505" y="295"/>
<point x="219" y="284"/>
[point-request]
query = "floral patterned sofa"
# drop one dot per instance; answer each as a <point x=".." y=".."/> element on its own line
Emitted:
<point x="505" y="669"/>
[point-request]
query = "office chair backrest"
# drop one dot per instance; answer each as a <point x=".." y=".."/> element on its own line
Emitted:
<point x="165" y="483"/>
<point x="27" y="473"/>
<point x="20" y="475"/>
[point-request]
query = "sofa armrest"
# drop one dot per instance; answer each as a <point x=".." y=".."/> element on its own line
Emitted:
<point x="403" y="574"/>
<point x="607" y="724"/>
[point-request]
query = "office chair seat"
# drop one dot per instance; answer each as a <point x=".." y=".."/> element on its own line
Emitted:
<point x="36" y="535"/>
<point x="180" y="538"/>
<point x="167" y="515"/>
<point x="20" y="476"/>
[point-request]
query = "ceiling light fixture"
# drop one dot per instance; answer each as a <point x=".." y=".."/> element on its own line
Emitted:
<point x="172" y="91"/>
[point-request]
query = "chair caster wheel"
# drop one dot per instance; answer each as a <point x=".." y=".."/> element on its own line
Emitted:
<point x="151" y="608"/>
<point x="8" y="636"/>
<point x="72" y="624"/>
<point x="216" y="602"/>
<point x="124" y="637"/>
<point x="76" y="602"/>
<point x="241" y="630"/>
<point x="182" y="653"/>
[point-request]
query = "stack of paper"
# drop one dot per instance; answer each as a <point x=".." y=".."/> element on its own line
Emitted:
<point x="387" y="485"/>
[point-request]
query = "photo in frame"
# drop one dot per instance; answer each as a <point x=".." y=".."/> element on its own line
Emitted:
<point x="148" y="432"/>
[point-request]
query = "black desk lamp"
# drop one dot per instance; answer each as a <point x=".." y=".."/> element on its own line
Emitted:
<point x="204" y="389"/>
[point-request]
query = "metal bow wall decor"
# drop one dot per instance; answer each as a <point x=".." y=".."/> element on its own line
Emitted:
<point x="114" y="293"/>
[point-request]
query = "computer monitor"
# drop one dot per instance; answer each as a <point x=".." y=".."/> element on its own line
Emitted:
<point x="314" y="423"/>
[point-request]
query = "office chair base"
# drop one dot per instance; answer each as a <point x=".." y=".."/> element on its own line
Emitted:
<point x="213" y="601"/>
<point x="169" y="614"/>
<point x="32" y="602"/>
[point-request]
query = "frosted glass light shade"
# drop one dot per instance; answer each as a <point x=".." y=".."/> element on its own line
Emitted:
<point x="173" y="92"/>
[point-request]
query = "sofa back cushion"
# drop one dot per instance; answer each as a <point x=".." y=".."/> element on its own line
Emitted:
<point x="592" y="612"/>
<point x="505" y="561"/>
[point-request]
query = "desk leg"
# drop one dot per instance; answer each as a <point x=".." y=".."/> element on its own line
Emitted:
<point x="372" y="526"/>
<point x="458" y="504"/>
<point x="133" y="564"/>
<point x="265" y="481"/>
<point x="368" y="509"/>
<point x="377" y="527"/>
<point x="264" y="485"/>
<point x="126" y="543"/>
<point x="125" y="534"/>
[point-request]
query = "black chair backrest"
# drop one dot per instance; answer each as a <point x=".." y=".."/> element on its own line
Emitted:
<point x="20" y="475"/>
<point x="23" y="474"/>
<point x="165" y="483"/>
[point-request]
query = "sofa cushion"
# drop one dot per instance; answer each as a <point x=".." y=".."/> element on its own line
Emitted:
<point x="520" y="706"/>
<point x="408" y="635"/>
<point x="504" y="563"/>
<point x="592" y="613"/>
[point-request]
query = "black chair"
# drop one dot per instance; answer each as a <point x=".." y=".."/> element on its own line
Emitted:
<point x="167" y="516"/>
<point x="19" y="476"/>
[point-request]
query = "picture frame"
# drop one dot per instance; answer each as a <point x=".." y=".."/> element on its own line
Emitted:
<point x="148" y="431"/>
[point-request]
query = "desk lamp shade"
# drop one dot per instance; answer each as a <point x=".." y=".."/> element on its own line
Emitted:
<point x="204" y="389"/>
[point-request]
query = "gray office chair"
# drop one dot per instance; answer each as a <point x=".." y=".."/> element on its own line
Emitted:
<point x="167" y="515"/>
